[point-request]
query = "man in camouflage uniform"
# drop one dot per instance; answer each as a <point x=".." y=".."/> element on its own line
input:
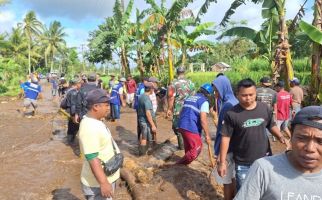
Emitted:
<point x="180" y="89"/>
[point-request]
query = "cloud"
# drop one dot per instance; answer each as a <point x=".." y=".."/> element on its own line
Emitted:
<point x="7" y="21"/>
<point x="76" y="37"/>
<point x="250" y="12"/>
<point x="73" y="9"/>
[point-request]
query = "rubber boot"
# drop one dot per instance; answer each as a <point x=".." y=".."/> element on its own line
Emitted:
<point x="180" y="141"/>
<point x="143" y="149"/>
<point x="70" y="139"/>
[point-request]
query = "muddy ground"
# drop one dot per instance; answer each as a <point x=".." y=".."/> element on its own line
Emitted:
<point x="37" y="163"/>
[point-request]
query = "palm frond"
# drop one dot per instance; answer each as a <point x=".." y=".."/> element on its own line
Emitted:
<point x="118" y="14"/>
<point x="154" y="5"/>
<point x="204" y="9"/>
<point x="202" y="29"/>
<point x="128" y="11"/>
<point x="298" y="17"/>
<point x="240" y="31"/>
<point x="233" y="8"/>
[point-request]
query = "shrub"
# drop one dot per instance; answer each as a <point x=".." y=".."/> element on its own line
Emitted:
<point x="3" y="89"/>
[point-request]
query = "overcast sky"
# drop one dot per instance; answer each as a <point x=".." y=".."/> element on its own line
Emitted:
<point x="81" y="16"/>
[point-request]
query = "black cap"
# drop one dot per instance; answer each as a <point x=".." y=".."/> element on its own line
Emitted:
<point x="280" y="84"/>
<point x="97" y="96"/>
<point x="180" y="70"/>
<point x="265" y="80"/>
<point x="308" y="116"/>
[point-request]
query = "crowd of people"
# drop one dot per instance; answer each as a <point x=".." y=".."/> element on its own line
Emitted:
<point x="245" y="121"/>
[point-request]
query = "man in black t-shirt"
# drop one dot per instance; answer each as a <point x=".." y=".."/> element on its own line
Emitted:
<point x="244" y="126"/>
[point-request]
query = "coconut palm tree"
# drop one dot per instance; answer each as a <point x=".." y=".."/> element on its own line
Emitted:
<point x="31" y="27"/>
<point x="18" y="46"/>
<point x="53" y="38"/>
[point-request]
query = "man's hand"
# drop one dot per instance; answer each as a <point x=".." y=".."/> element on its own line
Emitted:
<point x="75" y="119"/>
<point x="106" y="190"/>
<point x="208" y="139"/>
<point x="169" y="113"/>
<point x="222" y="169"/>
<point x="154" y="129"/>
<point x="123" y="104"/>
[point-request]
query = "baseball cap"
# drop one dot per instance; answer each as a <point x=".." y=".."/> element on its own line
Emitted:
<point x="307" y="116"/>
<point x="97" y="96"/>
<point x="266" y="81"/>
<point x="181" y="69"/>
<point x="122" y="79"/>
<point x="149" y="85"/>
<point x="91" y="77"/>
<point x="153" y="79"/>
<point x="280" y="84"/>
<point x="295" y="80"/>
<point x="112" y="75"/>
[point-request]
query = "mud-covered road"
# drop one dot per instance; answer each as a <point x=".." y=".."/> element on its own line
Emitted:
<point x="36" y="162"/>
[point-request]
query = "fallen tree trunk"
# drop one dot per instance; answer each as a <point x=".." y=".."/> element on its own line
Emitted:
<point x="133" y="186"/>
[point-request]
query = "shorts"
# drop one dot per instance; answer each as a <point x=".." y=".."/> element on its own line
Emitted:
<point x="130" y="98"/>
<point x="231" y="172"/>
<point x="94" y="193"/>
<point x="282" y="124"/>
<point x="241" y="174"/>
<point x="145" y="131"/>
<point x="27" y="102"/>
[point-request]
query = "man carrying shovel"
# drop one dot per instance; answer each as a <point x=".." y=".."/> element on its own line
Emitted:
<point x="193" y="119"/>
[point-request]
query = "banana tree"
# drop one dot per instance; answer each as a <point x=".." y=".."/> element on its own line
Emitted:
<point x="189" y="42"/>
<point x="282" y="63"/>
<point x="140" y="32"/>
<point x="315" y="33"/>
<point x="172" y="19"/>
<point x="122" y="26"/>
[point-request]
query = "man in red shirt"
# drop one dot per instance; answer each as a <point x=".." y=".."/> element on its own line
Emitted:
<point x="282" y="108"/>
<point x="131" y="89"/>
